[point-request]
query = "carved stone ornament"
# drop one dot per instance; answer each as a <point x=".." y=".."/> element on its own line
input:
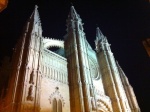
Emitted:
<point x="91" y="91"/>
<point x="94" y="70"/>
<point x="101" y="105"/>
<point x="56" y="95"/>
<point x="30" y="93"/>
<point x="93" y="103"/>
<point x="32" y="77"/>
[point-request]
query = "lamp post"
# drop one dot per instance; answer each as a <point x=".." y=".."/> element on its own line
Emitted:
<point x="3" y="4"/>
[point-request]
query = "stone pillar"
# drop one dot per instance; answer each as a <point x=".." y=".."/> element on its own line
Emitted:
<point x="78" y="65"/>
<point x="111" y="79"/>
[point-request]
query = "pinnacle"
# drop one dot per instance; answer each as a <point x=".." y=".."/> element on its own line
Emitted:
<point x="99" y="35"/>
<point x="35" y="15"/>
<point x="73" y="14"/>
<point x="119" y="68"/>
<point x="118" y="65"/>
<point x="36" y="7"/>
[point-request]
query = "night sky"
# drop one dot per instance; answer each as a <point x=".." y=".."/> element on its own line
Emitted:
<point x="125" y="24"/>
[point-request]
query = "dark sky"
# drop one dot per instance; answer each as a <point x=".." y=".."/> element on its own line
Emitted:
<point x="125" y="23"/>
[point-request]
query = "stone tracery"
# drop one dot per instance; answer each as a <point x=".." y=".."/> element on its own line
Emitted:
<point x="57" y="95"/>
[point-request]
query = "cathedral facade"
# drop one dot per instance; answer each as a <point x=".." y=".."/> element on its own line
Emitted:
<point x="74" y="78"/>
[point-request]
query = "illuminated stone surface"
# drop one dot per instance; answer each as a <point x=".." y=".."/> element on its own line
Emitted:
<point x="73" y="79"/>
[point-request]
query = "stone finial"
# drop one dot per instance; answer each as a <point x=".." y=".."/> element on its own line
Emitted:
<point x="73" y="14"/>
<point x="35" y="15"/>
<point x="99" y="34"/>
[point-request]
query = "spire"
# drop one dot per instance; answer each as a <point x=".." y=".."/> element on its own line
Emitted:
<point x="34" y="23"/>
<point x="128" y="90"/>
<point x="119" y="68"/>
<point x="35" y="15"/>
<point x="100" y="39"/>
<point x="99" y="34"/>
<point x="73" y="14"/>
<point x="122" y="74"/>
<point x="74" y="21"/>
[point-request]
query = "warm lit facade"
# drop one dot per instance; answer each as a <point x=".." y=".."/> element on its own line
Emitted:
<point x="75" y="78"/>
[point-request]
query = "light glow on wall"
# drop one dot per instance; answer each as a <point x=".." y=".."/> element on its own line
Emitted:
<point x="3" y="4"/>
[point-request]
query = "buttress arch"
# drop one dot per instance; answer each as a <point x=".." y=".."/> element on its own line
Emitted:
<point x="50" y="42"/>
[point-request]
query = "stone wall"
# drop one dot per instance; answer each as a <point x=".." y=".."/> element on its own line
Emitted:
<point x="54" y="82"/>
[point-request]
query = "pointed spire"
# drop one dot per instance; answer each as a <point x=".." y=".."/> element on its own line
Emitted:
<point x="35" y="15"/>
<point x="99" y="34"/>
<point x="122" y="74"/>
<point x="119" y="68"/>
<point x="73" y="14"/>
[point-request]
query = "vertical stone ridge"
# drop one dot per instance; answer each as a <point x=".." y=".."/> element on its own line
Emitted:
<point x="26" y="73"/>
<point x="99" y="34"/>
<point x="110" y="76"/>
<point x="129" y="90"/>
<point x="76" y="53"/>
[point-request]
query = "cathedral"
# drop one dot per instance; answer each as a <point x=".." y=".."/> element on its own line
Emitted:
<point x="73" y="78"/>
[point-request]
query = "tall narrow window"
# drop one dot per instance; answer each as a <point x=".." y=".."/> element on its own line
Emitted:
<point x="54" y="105"/>
<point x="59" y="106"/>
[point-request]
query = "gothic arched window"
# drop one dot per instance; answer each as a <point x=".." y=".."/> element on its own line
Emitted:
<point x="59" y="106"/>
<point x="54" y="105"/>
